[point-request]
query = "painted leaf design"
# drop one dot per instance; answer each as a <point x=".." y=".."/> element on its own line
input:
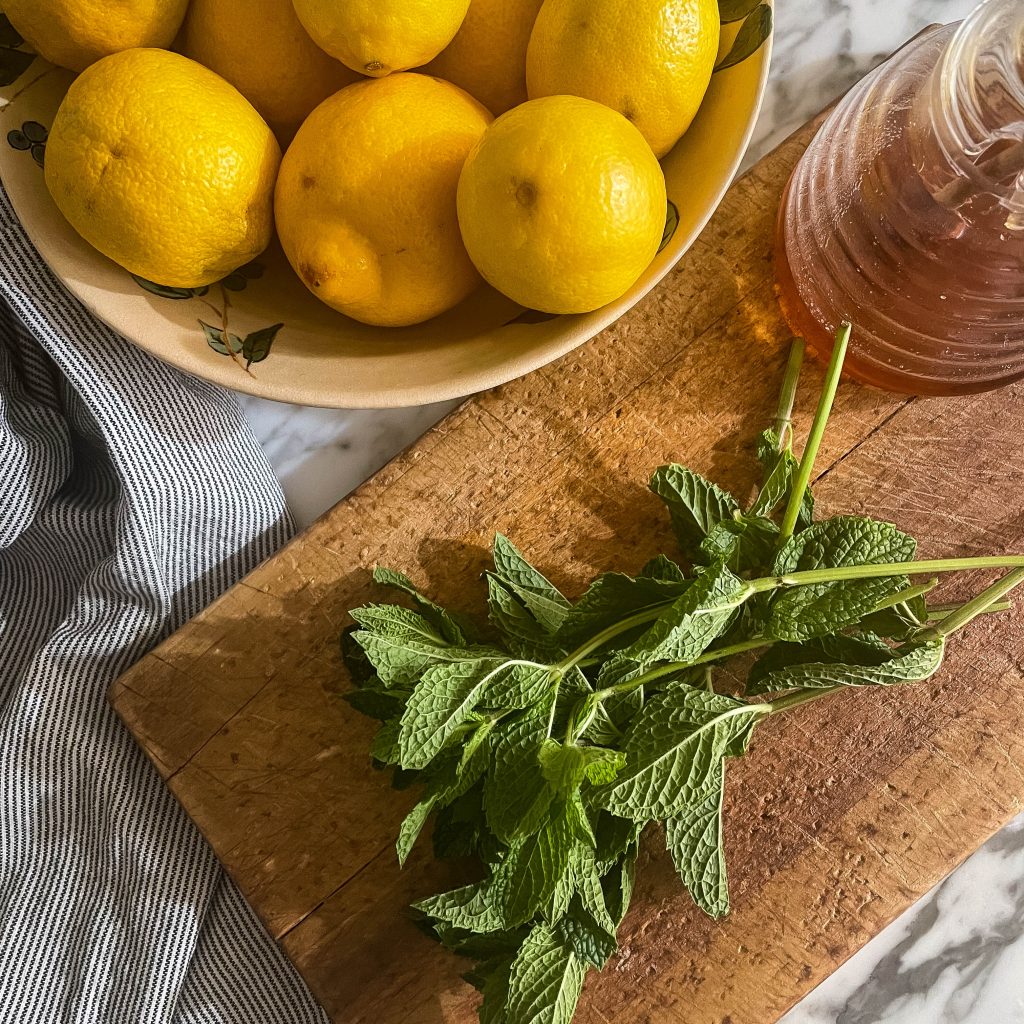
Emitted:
<point x="671" y="225"/>
<point x="13" y="63"/>
<point x="216" y="340"/>
<point x="755" y="30"/>
<point x="9" y="35"/>
<point x="735" y="10"/>
<point x="251" y="271"/>
<point x="234" y="282"/>
<point x="34" y="131"/>
<point x="164" y="291"/>
<point x="257" y="345"/>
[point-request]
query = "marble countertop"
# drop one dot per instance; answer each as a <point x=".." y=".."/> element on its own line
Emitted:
<point x="957" y="957"/>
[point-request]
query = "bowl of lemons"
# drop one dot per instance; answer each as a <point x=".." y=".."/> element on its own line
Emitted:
<point x="372" y="204"/>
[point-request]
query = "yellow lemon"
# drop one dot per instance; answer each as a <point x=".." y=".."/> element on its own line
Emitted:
<point x="164" y="167"/>
<point x="487" y="57"/>
<point x="365" y="199"/>
<point x="75" y="33"/>
<point x="562" y="204"/>
<point x="651" y="60"/>
<point x="266" y="54"/>
<point x="377" y="37"/>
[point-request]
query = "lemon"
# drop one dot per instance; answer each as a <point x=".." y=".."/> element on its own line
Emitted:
<point x="562" y="204"/>
<point x="267" y="55"/>
<point x="75" y="33"/>
<point x="651" y="60"/>
<point x="164" y="167"/>
<point x="365" y="199"/>
<point x="487" y="57"/>
<point x="377" y="37"/>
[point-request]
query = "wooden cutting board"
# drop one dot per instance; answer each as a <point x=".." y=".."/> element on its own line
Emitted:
<point x="844" y="813"/>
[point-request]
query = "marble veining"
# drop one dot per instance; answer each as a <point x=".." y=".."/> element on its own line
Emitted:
<point x="957" y="957"/>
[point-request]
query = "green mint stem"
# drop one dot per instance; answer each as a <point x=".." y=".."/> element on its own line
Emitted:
<point x="868" y="572"/>
<point x="938" y="611"/>
<point x="578" y="656"/>
<point x="828" y="395"/>
<point x="794" y="700"/>
<point x="908" y="594"/>
<point x="979" y="605"/>
<point x="787" y="397"/>
<point x="670" y="668"/>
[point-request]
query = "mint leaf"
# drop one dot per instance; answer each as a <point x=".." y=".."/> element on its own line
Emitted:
<point x="602" y="731"/>
<point x="673" y="746"/>
<point x="495" y="989"/>
<point x="810" y="611"/>
<point x="611" y="598"/>
<point x="516" y="794"/>
<point x="400" y="661"/>
<point x="519" y="686"/>
<point x="913" y="662"/>
<point x="587" y="927"/>
<point x="592" y="898"/>
<point x="541" y="599"/>
<point x="519" y="629"/>
<point x="689" y="626"/>
<point x="384" y="747"/>
<point x="530" y="873"/>
<point x="615" y="836"/>
<point x="565" y="766"/>
<point x="356" y="662"/>
<point x="557" y="907"/>
<point x="590" y="941"/>
<point x="444" y="698"/>
<point x="489" y="946"/>
<point x="397" y="623"/>
<point x="448" y="780"/>
<point x="411" y="828"/>
<point x="617" y="885"/>
<point x="579" y="822"/>
<point x="862" y="648"/>
<point x="546" y="980"/>
<point x="696" y="505"/>
<point x="780" y="468"/>
<point x="457" y="827"/>
<point x="377" y="703"/>
<point x="844" y="540"/>
<point x="694" y="839"/>
<point x="451" y="627"/>
<point x="743" y="544"/>
<point x="471" y="908"/>
<point x="602" y="765"/>
<point x="661" y="567"/>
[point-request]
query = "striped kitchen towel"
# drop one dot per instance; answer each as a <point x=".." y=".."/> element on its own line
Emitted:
<point x="131" y="495"/>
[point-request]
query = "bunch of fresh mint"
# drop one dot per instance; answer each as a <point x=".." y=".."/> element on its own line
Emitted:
<point x="547" y="741"/>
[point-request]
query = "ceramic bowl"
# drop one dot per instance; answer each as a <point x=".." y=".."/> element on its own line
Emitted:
<point x="295" y="349"/>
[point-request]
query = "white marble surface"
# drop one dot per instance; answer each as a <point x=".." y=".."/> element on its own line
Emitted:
<point x="958" y="956"/>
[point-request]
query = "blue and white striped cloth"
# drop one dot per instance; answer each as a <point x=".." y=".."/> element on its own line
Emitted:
<point x="130" y="496"/>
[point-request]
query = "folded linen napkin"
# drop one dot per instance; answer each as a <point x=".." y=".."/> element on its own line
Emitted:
<point x="131" y="495"/>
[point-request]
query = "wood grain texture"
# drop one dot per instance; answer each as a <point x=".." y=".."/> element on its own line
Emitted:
<point x="844" y="813"/>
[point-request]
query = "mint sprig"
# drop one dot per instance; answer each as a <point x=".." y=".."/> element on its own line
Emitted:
<point x="549" y="739"/>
